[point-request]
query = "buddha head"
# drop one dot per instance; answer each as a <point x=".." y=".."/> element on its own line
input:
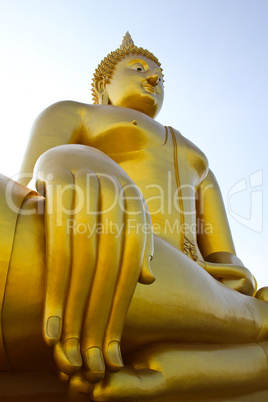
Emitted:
<point x="129" y="77"/>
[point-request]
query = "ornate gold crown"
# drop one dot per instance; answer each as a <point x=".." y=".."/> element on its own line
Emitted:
<point x="106" y="67"/>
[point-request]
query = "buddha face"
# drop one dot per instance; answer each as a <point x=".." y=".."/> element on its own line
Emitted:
<point x="137" y="83"/>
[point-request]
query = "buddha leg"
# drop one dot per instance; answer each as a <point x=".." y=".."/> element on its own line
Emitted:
<point x="185" y="304"/>
<point x="24" y="295"/>
<point x="12" y="196"/>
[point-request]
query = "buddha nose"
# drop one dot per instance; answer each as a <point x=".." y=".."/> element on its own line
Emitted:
<point x="153" y="80"/>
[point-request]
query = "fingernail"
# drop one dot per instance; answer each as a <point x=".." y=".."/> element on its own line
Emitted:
<point x="95" y="360"/>
<point x="114" y="353"/>
<point x="72" y="351"/>
<point x="53" y="327"/>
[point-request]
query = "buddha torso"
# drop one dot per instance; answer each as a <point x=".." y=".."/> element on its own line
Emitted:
<point x="158" y="159"/>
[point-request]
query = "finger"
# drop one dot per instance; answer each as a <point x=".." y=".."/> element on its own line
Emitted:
<point x="242" y="285"/>
<point x="108" y="263"/>
<point x="78" y="383"/>
<point x="58" y="209"/>
<point x="262" y="294"/>
<point x="229" y="271"/>
<point x="132" y="257"/>
<point x="84" y="251"/>
<point x="67" y="356"/>
<point x="63" y="377"/>
<point x="235" y="277"/>
<point x="146" y="275"/>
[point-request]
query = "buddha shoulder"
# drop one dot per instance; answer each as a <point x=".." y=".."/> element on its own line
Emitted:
<point x="70" y="120"/>
<point x="63" y="109"/>
<point x="88" y="114"/>
<point x="95" y="112"/>
<point x="85" y="124"/>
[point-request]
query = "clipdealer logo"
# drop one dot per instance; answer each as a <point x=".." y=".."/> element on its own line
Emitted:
<point x="248" y="191"/>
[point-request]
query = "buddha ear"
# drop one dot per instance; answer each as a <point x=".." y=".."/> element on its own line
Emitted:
<point x="101" y="91"/>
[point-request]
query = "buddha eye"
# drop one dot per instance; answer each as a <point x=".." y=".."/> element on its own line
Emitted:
<point x="137" y="67"/>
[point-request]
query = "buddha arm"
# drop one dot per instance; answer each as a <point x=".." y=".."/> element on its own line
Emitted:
<point x="215" y="239"/>
<point x="57" y="125"/>
<point x="211" y="211"/>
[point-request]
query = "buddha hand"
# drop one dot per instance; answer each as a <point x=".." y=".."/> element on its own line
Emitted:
<point x="97" y="251"/>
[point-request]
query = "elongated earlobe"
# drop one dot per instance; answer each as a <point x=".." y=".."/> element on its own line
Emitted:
<point x="100" y="88"/>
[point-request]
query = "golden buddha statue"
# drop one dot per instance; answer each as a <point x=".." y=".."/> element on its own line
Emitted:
<point x="121" y="270"/>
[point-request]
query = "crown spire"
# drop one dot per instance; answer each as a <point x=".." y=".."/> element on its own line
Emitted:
<point x="127" y="41"/>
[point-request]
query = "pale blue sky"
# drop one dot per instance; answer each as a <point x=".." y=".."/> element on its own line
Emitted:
<point x="215" y="59"/>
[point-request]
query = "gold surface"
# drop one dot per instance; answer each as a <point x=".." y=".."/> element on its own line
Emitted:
<point x="123" y="202"/>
